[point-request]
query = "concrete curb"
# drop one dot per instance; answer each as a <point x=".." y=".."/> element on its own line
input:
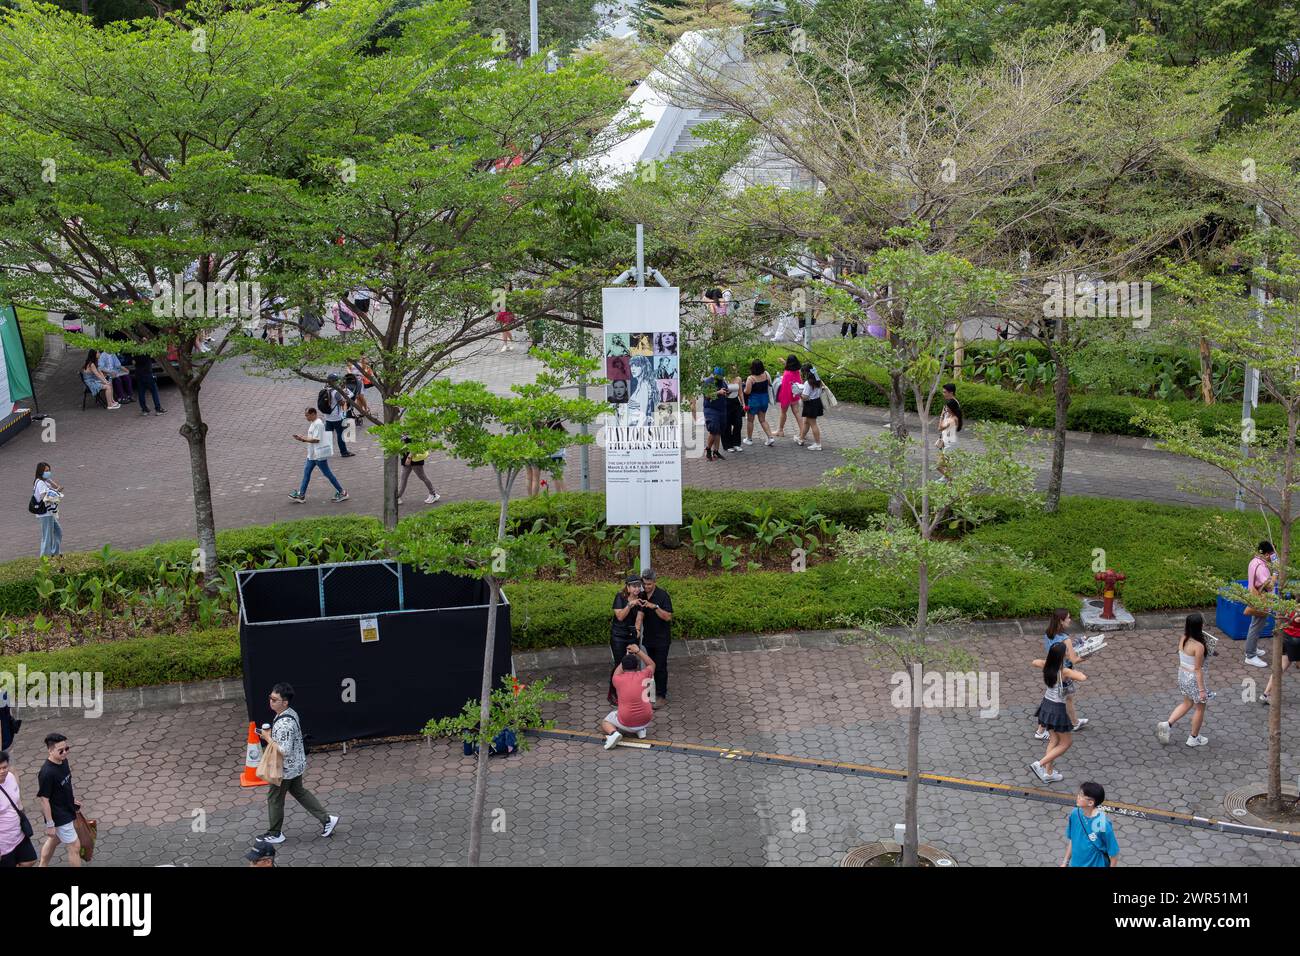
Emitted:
<point x="169" y="696"/>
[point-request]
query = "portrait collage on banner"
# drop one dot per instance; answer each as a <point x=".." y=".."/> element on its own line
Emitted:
<point x="644" y="378"/>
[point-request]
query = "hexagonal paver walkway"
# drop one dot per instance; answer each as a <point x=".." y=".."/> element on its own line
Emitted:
<point x="163" y="783"/>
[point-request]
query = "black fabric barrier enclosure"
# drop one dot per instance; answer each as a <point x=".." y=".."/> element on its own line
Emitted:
<point x="372" y="648"/>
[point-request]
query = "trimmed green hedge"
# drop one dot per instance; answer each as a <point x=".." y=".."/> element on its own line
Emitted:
<point x="33" y="325"/>
<point x="18" y="583"/>
<point x="163" y="659"/>
<point x="1101" y="414"/>
<point x="1157" y="546"/>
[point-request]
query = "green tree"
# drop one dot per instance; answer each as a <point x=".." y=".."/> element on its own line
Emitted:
<point x="439" y="184"/>
<point x="934" y="291"/>
<point x="505" y="433"/>
<point x="131" y="156"/>
<point x="1260" y="463"/>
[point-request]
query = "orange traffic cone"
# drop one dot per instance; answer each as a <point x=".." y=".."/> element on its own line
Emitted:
<point x="249" y="777"/>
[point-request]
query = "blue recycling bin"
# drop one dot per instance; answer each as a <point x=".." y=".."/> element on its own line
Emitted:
<point x="1230" y="617"/>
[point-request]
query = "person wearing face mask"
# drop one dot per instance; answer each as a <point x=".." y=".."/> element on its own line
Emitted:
<point x="46" y="493"/>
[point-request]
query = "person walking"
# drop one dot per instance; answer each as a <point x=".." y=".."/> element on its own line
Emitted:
<point x="1192" y="650"/>
<point x="633" y="712"/>
<point x="758" y="387"/>
<point x="146" y="384"/>
<point x="413" y="462"/>
<point x="1290" y="652"/>
<point x="336" y="417"/>
<point x="1089" y="836"/>
<point x="1058" y="632"/>
<point x="811" y="409"/>
<point x="9" y="724"/>
<point x="1052" y="713"/>
<point x="625" y="627"/>
<point x="656" y="630"/>
<point x="54" y="789"/>
<point x="950" y="423"/>
<point x="286" y="733"/>
<point x="731" y="439"/>
<point x="1259" y="581"/>
<point x="318" y="455"/>
<point x="15" y="829"/>
<point x="787" y="393"/>
<point x="715" y="414"/>
<point x="46" y="495"/>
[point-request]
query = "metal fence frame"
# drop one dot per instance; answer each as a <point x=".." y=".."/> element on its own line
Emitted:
<point x="322" y="574"/>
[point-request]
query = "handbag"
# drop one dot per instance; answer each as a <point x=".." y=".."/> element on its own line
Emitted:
<point x="271" y="767"/>
<point x="24" y="824"/>
<point x="86" y="833"/>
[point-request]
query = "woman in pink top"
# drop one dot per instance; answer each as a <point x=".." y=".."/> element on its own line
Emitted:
<point x="785" y="392"/>
<point x="15" y="846"/>
<point x="631" y="680"/>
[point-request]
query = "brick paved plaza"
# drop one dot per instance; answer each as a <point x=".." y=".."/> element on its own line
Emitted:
<point x="128" y="477"/>
<point x="147" y="774"/>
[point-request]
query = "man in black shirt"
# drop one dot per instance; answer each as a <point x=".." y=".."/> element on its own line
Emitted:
<point x="54" y="788"/>
<point x="656" y="630"/>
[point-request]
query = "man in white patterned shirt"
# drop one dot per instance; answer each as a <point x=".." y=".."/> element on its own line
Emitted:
<point x="286" y="732"/>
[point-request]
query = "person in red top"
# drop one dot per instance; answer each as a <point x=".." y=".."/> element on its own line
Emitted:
<point x="1290" y="651"/>
<point x="632" y="680"/>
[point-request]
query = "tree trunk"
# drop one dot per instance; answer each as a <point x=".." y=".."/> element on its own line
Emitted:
<point x="672" y="536"/>
<point x="897" y="425"/>
<point x="390" y="476"/>
<point x="195" y="433"/>
<point x="1275" y="661"/>
<point x="1207" y="372"/>
<point x="910" y="837"/>
<point x="485" y="708"/>
<point x="1061" y="391"/>
<point x="485" y="691"/>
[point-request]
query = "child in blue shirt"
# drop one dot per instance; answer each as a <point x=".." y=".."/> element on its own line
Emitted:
<point x="1089" y="832"/>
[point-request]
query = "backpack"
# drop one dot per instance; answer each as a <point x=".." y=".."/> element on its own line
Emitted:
<point x="323" y="403"/>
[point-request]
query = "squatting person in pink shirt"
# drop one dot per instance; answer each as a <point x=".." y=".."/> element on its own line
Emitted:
<point x="632" y="680"/>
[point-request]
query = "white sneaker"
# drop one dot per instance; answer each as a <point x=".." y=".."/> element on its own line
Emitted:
<point x="1162" y="731"/>
<point x="1083" y="722"/>
<point x="640" y="735"/>
<point x="770" y="442"/>
<point x="1055" y="777"/>
<point x="814" y="447"/>
<point x="1038" y="770"/>
<point x="1197" y="741"/>
<point x="328" y="826"/>
<point x="1041" y="735"/>
<point x="612" y="740"/>
<point x="430" y="499"/>
<point x="747" y="441"/>
<point x="1255" y="661"/>
<point x="114" y="407"/>
<point x="798" y="441"/>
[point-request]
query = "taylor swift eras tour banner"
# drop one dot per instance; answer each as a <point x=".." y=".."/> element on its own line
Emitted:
<point x="642" y="433"/>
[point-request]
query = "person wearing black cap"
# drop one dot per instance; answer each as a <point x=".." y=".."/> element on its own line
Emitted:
<point x="337" y="415"/>
<point x="625" y="628"/>
<point x="262" y="854"/>
<point x="656" y="630"/>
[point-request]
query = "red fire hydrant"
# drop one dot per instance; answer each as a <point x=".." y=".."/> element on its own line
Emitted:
<point x="1109" y="579"/>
